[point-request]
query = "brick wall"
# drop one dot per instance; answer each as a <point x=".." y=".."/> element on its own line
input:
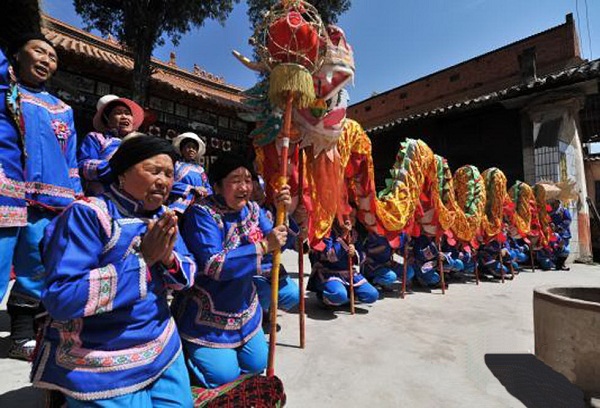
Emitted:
<point x="554" y="50"/>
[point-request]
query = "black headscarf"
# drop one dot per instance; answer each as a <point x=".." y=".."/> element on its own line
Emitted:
<point x="137" y="149"/>
<point x="227" y="163"/>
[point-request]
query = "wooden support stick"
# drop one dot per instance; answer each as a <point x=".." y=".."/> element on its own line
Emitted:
<point x="351" y="273"/>
<point x="281" y="216"/>
<point x="441" y="264"/>
<point x="405" y="268"/>
<point x="301" y="311"/>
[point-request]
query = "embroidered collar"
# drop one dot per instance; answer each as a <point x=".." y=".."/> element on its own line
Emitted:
<point x="128" y="205"/>
<point x="217" y="202"/>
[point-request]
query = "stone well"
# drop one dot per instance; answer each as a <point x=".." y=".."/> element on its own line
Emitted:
<point x="567" y="333"/>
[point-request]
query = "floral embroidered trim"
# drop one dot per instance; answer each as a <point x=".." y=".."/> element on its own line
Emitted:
<point x="98" y="395"/>
<point x="36" y="187"/>
<point x="59" y="107"/>
<point x="103" y="289"/>
<point x="13" y="216"/>
<point x="113" y="239"/>
<point x="11" y="188"/>
<point x="207" y="315"/>
<point x="101" y="210"/>
<point x="144" y="271"/>
<point x="71" y="355"/>
<point x="213" y="344"/>
<point x="238" y="231"/>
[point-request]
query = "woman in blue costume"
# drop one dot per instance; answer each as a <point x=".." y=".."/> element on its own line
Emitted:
<point x="220" y="318"/>
<point x="561" y="224"/>
<point x="51" y="177"/>
<point x="379" y="266"/>
<point x="191" y="181"/>
<point x="110" y="340"/>
<point x="331" y="275"/>
<point x="492" y="258"/>
<point x="425" y="260"/>
<point x="115" y="118"/>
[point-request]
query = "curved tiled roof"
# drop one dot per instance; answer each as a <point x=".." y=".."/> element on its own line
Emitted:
<point x="583" y="72"/>
<point x="198" y="84"/>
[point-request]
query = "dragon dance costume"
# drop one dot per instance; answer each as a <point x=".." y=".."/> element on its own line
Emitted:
<point x="219" y="319"/>
<point x="93" y="155"/>
<point x="330" y="276"/>
<point x="110" y="332"/>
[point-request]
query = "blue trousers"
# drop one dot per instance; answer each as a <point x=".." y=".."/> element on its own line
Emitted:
<point x="289" y="293"/>
<point x="20" y="246"/>
<point x="335" y="293"/>
<point x="8" y="242"/>
<point x="217" y="366"/>
<point x="172" y="389"/>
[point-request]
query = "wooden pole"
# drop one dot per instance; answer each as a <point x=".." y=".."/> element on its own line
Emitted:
<point x="440" y="264"/>
<point x="500" y="258"/>
<point x="405" y="267"/>
<point x="476" y="266"/>
<point x="531" y="257"/>
<point x="281" y="216"/>
<point x="301" y="312"/>
<point x="351" y="274"/>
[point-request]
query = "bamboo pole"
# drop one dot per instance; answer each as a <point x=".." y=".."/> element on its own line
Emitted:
<point x="301" y="312"/>
<point x="281" y="216"/>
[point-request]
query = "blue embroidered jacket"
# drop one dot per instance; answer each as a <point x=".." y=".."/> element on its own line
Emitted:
<point x="51" y="169"/>
<point x="561" y="218"/>
<point x="425" y="255"/>
<point x="378" y="253"/>
<point x="333" y="261"/>
<point x="92" y="158"/>
<point x="188" y="176"/>
<point x="222" y="309"/>
<point x="111" y="332"/>
<point x="13" y="210"/>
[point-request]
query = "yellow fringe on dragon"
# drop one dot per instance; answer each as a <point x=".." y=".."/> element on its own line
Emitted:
<point x="543" y="217"/>
<point x="522" y="196"/>
<point x="442" y="193"/>
<point x="496" y="196"/>
<point x="470" y="194"/>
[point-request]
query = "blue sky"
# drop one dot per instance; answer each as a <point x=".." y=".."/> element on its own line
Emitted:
<point x="395" y="41"/>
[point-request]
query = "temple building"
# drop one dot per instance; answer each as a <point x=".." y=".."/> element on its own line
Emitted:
<point x="178" y="100"/>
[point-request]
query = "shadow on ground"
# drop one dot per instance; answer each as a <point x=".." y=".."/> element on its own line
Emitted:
<point x="534" y="383"/>
<point x="23" y="397"/>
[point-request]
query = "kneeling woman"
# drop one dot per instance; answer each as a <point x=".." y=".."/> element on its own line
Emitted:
<point x="109" y="260"/>
<point x="220" y="318"/>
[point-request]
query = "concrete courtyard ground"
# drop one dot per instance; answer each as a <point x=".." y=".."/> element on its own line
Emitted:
<point x="472" y="347"/>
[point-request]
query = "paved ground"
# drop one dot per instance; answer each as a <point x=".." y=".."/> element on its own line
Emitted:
<point x="472" y="347"/>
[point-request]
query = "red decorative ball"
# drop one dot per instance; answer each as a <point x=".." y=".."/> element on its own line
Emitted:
<point x="293" y="40"/>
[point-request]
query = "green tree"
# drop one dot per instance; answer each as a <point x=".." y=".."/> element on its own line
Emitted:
<point x="141" y="25"/>
<point x="329" y="10"/>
